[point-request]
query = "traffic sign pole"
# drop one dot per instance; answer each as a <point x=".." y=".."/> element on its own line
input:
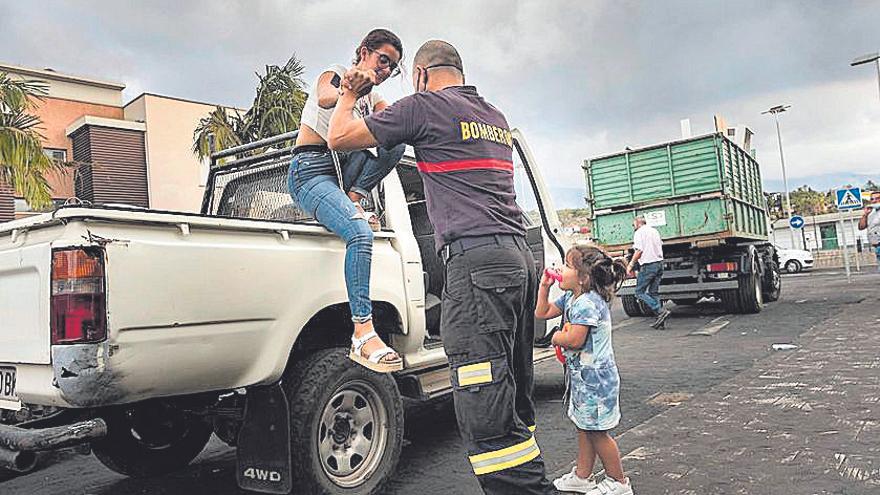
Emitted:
<point x="845" y="250"/>
<point x="852" y="225"/>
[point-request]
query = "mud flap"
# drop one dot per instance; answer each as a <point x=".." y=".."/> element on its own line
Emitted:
<point x="263" y="459"/>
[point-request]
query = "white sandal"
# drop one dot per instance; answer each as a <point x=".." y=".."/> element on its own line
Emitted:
<point x="374" y="361"/>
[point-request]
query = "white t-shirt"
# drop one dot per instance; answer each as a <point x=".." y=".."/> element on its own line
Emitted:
<point x="318" y="119"/>
<point x="647" y="240"/>
<point x="874" y="227"/>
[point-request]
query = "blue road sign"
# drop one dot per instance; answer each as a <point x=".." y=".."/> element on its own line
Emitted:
<point x="796" y="221"/>
<point x="849" y="198"/>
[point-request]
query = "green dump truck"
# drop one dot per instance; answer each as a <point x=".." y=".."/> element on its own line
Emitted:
<point x="704" y="196"/>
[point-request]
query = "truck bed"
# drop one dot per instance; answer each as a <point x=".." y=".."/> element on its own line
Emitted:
<point x="194" y="303"/>
<point x="689" y="190"/>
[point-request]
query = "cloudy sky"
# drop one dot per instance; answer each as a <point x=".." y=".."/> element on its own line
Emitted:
<point x="580" y="78"/>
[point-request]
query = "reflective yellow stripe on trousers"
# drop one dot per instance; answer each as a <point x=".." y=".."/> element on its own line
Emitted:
<point x="498" y="460"/>
<point x="475" y="374"/>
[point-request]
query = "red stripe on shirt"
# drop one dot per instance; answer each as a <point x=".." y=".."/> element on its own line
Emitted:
<point x="454" y="166"/>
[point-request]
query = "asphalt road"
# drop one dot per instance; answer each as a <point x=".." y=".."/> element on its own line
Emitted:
<point x="701" y="348"/>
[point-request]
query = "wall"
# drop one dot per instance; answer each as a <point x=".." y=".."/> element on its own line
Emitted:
<point x="56" y="115"/>
<point x="175" y="174"/>
<point x="70" y="87"/>
<point x="68" y="98"/>
<point x="812" y="234"/>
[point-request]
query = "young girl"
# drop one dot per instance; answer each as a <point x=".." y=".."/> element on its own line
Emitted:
<point x="590" y="277"/>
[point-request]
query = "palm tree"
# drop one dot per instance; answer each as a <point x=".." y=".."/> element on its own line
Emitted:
<point x="277" y="107"/>
<point x="23" y="164"/>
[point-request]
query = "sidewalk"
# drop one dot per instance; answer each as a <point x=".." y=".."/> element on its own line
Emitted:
<point x="803" y="421"/>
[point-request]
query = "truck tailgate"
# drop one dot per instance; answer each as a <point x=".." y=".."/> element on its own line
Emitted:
<point x="24" y="304"/>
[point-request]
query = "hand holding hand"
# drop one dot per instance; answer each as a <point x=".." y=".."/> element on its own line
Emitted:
<point x="360" y="81"/>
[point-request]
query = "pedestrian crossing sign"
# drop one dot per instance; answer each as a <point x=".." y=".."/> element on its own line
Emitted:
<point x="849" y="198"/>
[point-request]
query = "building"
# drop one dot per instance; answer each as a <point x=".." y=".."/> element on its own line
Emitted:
<point x="822" y="232"/>
<point x="138" y="153"/>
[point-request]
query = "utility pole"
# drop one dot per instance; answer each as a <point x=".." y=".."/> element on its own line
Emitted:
<point x="776" y="111"/>
<point x="867" y="59"/>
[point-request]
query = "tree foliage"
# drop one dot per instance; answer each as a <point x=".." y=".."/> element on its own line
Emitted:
<point x="23" y="163"/>
<point x="276" y="109"/>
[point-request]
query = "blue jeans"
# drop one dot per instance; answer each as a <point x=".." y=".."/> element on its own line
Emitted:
<point x="314" y="186"/>
<point x="362" y="172"/>
<point x="648" y="285"/>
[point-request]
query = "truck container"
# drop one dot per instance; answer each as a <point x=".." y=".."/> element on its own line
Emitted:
<point x="705" y="198"/>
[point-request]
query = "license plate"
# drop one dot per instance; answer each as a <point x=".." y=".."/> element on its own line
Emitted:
<point x="630" y="282"/>
<point x="7" y="384"/>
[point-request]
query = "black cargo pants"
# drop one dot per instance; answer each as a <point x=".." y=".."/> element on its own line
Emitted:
<point x="487" y="326"/>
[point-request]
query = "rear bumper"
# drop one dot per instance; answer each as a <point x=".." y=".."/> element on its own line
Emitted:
<point x="685" y="290"/>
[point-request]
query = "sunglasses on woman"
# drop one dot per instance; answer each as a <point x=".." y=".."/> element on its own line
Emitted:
<point x="385" y="62"/>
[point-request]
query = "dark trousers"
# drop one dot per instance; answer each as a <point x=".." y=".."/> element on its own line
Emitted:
<point x="648" y="285"/>
<point x="487" y="328"/>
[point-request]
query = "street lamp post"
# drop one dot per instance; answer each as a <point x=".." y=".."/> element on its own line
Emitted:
<point x="867" y="59"/>
<point x="776" y="111"/>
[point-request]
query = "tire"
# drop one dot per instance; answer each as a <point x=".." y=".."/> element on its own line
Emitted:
<point x="793" y="266"/>
<point x="730" y="301"/>
<point x="749" y="297"/>
<point x="328" y="391"/>
<point x="690" y="301"/>
<point x="150" y="439"/>
<point x="632" y="306"/>
<point x="772" y="283"/>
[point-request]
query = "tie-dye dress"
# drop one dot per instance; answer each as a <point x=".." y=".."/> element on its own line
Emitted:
<point x="593" y="381"/>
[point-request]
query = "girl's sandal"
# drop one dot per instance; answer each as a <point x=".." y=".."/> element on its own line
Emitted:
<point x="376" y="360"/>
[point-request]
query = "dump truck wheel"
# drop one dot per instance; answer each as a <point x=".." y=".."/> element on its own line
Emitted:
<point x="632" y="306"/>
<point x="772" y="282"/>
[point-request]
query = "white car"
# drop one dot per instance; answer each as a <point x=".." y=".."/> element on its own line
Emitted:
<point x="794" y="260"/>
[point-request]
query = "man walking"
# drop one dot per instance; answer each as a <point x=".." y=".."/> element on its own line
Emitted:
<point x="649" y="256"/>
<point x="464" y="152"/>
<point x="871" y="221"/>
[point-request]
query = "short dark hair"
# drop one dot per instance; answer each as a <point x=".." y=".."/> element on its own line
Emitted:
<point x="438" y="53"/>
<point x="375" y="39"/>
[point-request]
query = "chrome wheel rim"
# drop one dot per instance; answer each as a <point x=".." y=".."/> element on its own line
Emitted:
<point x="352" y="434"/>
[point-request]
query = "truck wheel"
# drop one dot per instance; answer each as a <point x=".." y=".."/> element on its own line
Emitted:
<point x="150" y="439"/>
<point x="730" y="301"/>
<point x="632" y="306"/>
<point x="346" y="425"/>
<point x="772" y="282"/>
<point x="750" y="296"/>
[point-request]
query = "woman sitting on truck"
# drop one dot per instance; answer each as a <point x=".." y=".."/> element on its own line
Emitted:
<point x="333" y="196"/>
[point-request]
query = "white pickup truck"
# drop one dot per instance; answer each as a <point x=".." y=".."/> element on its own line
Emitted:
<point x="150" y="330"/>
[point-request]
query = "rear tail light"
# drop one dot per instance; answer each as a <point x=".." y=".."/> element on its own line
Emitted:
<point x="729" y="266"/>
<point x="78" y="304"/>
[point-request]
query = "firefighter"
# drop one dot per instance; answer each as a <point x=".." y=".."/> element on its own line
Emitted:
<point x="464" y="151"/>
